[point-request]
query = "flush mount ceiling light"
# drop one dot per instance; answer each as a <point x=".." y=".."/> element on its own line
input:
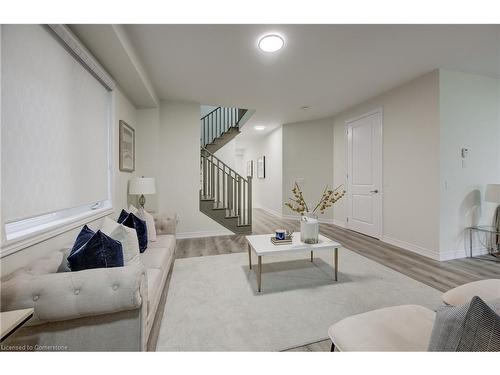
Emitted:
<point x="259" y="127"/>
<point x="271" y="43"/>
<point x="305" y="108"/>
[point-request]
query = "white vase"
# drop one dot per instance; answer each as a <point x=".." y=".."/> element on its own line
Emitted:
<point x="309" y="229"/>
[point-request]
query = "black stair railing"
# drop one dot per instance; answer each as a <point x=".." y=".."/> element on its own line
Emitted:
<point x="226" y="187"/>
<point x="218" y="122"/>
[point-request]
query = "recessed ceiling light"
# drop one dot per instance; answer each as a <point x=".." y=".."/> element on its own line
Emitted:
<point x="271" y="43"/>
<point x="259" y="127"/>
<point x="305" y="108"/>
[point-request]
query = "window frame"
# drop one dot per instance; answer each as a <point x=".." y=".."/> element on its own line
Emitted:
<point x="30" y="231"/>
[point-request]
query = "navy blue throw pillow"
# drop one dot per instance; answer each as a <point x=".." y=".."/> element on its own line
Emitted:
<point x="122" y="217"/>
<point x="100" y="251"/>
<point x="132" y="221"/>
<point x="83" y="237"/>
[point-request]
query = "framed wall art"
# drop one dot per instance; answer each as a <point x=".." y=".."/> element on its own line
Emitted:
<point x="261" y="167"/>
<point x="126" y="147"/>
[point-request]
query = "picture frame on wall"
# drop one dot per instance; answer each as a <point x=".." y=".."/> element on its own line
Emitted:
<point x="250" y="168"/>
<point x="126" y="147"/>
<point x="261" y="167"/>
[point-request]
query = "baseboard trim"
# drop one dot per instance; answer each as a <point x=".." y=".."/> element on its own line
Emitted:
<point x="412" y="247"/>
<point x="295" y="217"/>
<point x="340" y="223"/>
<point x="205" y="233"/>
<point x="449" y="255"/>
<point x="271" y="212"/>
<point x="458" y="254"/>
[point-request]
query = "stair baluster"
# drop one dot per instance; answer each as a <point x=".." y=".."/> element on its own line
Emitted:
<point x="225" y="196"/>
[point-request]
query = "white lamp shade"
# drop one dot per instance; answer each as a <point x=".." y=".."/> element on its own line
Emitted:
<point x="492" y="193"/>
<point x="142" y="185"/>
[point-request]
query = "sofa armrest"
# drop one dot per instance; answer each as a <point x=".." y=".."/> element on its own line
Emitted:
<point x="164" y="224"/>
<point x="71" y="295"/>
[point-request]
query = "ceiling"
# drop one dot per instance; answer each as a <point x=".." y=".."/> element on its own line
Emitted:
<point x="326" y="67"/>
<point x="112" y="48"/>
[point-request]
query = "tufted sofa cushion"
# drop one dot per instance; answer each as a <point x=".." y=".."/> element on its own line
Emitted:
<point x="158" y="257"/>
<point x="164" y="224"/>
<point x="70" y="295"/>
<point x="47" y="264"/>
<point x="165" y="241"/>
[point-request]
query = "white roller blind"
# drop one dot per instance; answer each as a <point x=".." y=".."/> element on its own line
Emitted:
<point x="55" y="126"/>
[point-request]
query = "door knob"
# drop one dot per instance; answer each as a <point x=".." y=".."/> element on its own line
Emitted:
<point x="374" y="191"/>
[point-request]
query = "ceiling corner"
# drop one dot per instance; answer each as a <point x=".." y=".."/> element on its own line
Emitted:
<point x="112" y="47"/>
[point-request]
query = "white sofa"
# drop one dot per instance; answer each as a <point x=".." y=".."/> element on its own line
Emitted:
<point x="111" y="309"/>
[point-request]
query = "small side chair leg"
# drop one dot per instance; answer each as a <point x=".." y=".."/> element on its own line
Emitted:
<point x="332" y="349"/>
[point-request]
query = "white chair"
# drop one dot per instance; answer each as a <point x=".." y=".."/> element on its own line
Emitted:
<point x="402" y="328"/>
<point x="487" y="290"/>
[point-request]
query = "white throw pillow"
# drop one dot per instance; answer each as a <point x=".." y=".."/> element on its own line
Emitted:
<point x="141" y="213"/>
<point x="127" y="237"/>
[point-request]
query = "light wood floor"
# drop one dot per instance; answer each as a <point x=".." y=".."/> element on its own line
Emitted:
<point x="439" y="275"/>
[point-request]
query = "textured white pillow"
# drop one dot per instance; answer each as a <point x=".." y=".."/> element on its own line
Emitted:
<point x="148" y="218"/>
<point x="134" y="210"/>
<point x="127" y="237"/>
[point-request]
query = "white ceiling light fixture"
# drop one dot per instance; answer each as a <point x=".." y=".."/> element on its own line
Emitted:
<point x="271" y="43"/>
<point x="259" y="127"/>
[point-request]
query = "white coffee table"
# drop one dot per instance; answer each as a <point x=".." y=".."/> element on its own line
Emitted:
<point x="262" y="246"/>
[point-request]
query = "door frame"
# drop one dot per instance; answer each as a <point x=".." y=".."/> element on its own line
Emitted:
<point x="380" y="112"/>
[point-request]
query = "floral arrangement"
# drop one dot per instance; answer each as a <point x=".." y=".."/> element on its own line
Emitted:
<point x="329" y="197"/>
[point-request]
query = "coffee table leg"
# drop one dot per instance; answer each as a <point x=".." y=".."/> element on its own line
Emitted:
<point x="336" y="261"/>
<point x="311" y="255"/>
<point x="259" y="274"/>
<point x="249" y="256"/>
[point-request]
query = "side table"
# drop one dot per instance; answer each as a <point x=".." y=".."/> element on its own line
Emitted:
<point x="10" y="321"/>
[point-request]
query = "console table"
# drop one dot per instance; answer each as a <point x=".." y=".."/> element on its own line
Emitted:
<point x="490" y="231"/>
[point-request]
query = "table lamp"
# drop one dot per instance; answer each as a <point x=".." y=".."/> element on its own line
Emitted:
<point x="142" y="186"/>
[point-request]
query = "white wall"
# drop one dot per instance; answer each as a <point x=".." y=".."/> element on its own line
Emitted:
<point x="148" y="147"/>
<point x="469" y="115"/>
<point x="308" y="159"/>
<point x="178" y="177"/>
<point x="126" y="111"/>
<point x="123" y="110"/>
<point x="410" y="163"/>
<point x="231" y="156"/>
<point x="267" y="192"/>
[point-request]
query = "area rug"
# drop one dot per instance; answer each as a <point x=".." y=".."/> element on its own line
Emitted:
<point x="213" y="304"/>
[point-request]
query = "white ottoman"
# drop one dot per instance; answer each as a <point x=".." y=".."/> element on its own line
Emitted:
<point x="487" y="290"/>
<point x="393" y="329"/>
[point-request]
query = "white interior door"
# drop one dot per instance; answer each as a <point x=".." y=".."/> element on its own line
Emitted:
<point x="364" y="174"/>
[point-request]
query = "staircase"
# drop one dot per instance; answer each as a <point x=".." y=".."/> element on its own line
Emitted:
<point x="225" y="196"/>
<point x="221" y="125"/>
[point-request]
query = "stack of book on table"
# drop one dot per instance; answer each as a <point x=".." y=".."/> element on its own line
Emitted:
<point x="286" y="241"/>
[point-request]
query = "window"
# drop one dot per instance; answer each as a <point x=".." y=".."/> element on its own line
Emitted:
<point x="56" y="117"/>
